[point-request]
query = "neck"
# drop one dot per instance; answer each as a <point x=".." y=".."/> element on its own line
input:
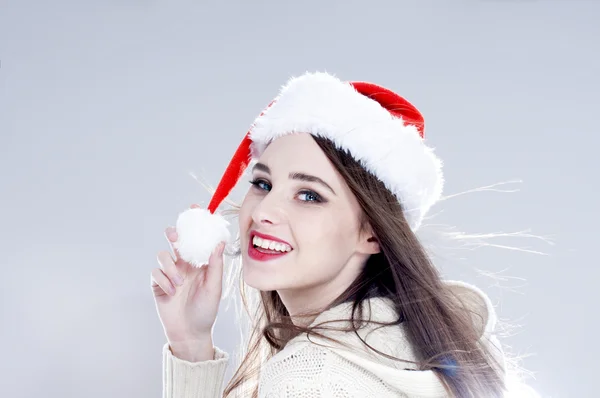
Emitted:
<point x="305" y="304"/>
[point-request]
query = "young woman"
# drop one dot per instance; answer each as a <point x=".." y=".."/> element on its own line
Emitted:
<point x="350" y="303"/>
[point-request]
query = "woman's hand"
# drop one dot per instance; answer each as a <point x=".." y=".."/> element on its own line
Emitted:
<point x="187" y="300"/>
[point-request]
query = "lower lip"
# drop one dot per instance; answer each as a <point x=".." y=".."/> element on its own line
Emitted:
<point x="260" y="256"/>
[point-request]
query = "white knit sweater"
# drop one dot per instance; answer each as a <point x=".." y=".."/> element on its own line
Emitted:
<point x="321" y="368"/>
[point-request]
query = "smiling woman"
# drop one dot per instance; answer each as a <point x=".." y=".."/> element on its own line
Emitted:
<point x="300" y="199"/>
<point x="351" y="304"/>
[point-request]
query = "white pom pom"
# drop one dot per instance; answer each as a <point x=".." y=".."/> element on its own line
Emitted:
<point x="199" y="234"/>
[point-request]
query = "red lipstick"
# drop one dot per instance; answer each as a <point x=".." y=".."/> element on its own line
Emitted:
<point x="264" y="254"/>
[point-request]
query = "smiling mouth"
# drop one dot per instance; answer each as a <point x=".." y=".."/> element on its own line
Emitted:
<point x="263" y="247"/>
<point x="267" y="251"/>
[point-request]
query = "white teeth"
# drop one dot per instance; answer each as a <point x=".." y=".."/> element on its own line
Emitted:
<point x="270" y="245"/>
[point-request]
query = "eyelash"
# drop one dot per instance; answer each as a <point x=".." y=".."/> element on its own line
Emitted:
<point x="318" y="199"/>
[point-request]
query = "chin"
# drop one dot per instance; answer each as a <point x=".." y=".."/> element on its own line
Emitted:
<point x="252" y="276"/>
<point x="261" y="278"/>
<point x="257" y="280"/>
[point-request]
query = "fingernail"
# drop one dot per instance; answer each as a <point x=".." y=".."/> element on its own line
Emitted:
<point x="172" y="291"/>
<point x="178" y="279"/>
<point x="171" y="233"/>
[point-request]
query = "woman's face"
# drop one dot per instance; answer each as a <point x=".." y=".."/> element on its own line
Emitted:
<point x="303" y="211"/>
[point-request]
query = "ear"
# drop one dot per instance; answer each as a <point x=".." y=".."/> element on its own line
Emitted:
<point x="369" y="244"/>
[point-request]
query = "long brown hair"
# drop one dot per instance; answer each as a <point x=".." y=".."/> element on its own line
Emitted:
<point x="437" y="324"/>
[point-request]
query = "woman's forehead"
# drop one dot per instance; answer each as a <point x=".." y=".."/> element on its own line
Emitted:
<point x="296" y="150"/>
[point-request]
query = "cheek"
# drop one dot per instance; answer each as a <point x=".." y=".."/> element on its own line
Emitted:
<point x="325" y="235"/>
<point x="246" y="210"/>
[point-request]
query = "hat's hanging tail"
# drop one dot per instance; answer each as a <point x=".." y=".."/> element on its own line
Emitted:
<point x="201" y="230"/>
<point x="238" y="164"/>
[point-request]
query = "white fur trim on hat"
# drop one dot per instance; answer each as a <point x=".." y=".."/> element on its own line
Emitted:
<point x="394" y="152"/>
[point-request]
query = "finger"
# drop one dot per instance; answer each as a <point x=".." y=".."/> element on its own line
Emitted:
<point x="169" y="268"/>
<point x="160" y="283"/>
<point x="194" y="206"/>
<point x="172" y="236"/>
<point x="214" y="272"/>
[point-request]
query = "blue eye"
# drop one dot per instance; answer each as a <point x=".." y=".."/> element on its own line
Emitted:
<point x="261" y="184"/>
<point x="303" y="196"/>
<point x="310" y="196"/>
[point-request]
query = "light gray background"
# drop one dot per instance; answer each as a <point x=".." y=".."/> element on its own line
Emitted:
<point x="106" y="106"/>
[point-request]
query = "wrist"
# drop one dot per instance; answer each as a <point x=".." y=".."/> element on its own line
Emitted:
<point x="193" y="350"/>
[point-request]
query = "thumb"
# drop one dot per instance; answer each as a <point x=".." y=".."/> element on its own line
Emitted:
<point x="214" y="272"/>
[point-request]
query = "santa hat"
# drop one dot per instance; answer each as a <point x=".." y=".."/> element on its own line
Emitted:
<point x="379" y="128"/>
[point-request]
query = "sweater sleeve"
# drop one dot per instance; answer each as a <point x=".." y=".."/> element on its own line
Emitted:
<point x="183" y="379"/>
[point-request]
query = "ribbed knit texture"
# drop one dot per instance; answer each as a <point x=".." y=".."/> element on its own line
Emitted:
<point x="312" y="371"/>
<point x="183" y="379"/>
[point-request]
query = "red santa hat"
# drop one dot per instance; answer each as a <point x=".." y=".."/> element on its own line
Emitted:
<point x="380" y="129"/>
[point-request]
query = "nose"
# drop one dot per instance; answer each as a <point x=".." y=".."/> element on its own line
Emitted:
<point x="268" y="211"/>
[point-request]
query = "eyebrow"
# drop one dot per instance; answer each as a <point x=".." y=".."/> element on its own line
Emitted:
<point x="295" y="176"/>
